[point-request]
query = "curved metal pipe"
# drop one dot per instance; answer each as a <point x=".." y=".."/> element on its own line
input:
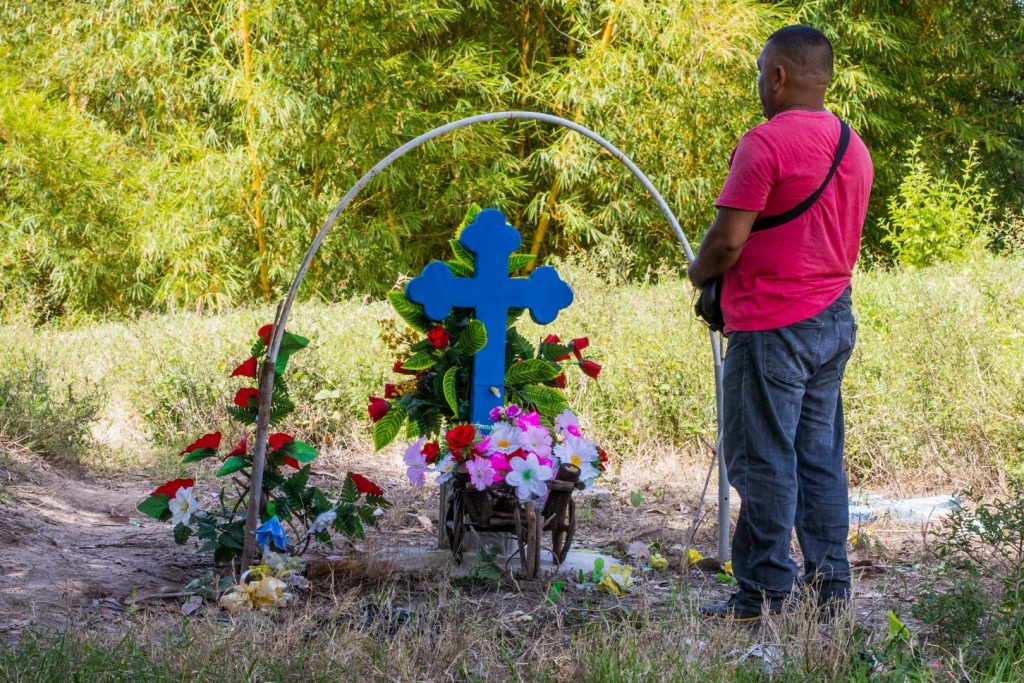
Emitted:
<point x="281" y="318"/>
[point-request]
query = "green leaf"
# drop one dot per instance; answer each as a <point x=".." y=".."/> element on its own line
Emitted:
<point x="411" y="313"/>
<point x="199" y="454"/>
<point x="182" y="533"/>
<point x="548" y="401"/>
<point x="155" y="506"/>
<point x="423" y="360"/>
<point x="449" y="390"/>
<point x="459" y="269"/>
<point x="471" y="213"/>
<point x="271" y="509"/>
<point x="386" y="428"/>
<point x="243" y="415"/>
<point x="412" y="429"/>
<point x="518" y="346"/>
<point x="554" y="593"/>
<point x="897" y="631"/>
<point x="473" y="338"/>
<point x="463" y="255"/>
<point x="531" y="371"/>
<point x="232" y="465"/>
<point x="300" y="450"/>
<point x="635" y="498"/>
<point x="519" y="261"/>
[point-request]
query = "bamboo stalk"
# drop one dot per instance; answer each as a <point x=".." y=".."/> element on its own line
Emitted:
<point x="255" y="170"/>
<point x="556" y="183"/>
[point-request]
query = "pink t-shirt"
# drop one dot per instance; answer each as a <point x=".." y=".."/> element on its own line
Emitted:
<point x="796" y="270"/>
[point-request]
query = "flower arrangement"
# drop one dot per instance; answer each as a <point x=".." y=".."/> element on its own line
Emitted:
<point x="527" y="439"/>
<point x="293" y="513"/>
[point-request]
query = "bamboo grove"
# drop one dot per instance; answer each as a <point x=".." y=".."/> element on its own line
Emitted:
<point x="180" y="154"/>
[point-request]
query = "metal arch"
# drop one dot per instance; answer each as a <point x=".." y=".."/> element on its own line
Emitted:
<point x="285" y="308"/>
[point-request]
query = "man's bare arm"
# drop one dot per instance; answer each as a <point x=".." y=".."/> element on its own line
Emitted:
<point x="722" y="244"/>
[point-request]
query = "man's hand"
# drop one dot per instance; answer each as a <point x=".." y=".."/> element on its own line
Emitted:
<point x="722" y="244"/>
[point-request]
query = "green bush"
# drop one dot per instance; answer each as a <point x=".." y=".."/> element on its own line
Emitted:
<point x="42" y="414"/>
<point x="933" y="219"/>
<point x="956" y="613"/>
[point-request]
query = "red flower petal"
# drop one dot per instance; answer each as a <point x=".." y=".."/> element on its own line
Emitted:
<point x="246" y="369"/>
<point x="170" y="489"/>
<point x="400" y="370"/>
<point x="292" y="462"/>
<point x="247" y="398"/>
<point x="551" y="339"/>
<point x="278" y="441"/>
<point x="460" y="438"/>
<point x="378" y="408"/>
<point x="239" y="448"/>
<point x="205" y="441"/>
<point x="578" y="345"/>
<point x="430" y="451"/>
<point x="391" y="391"/>
<point x="590" y="369"/>
<point x="265" y="333"/>
<point x="438" y="337"/>
<point x="364" y="485"/>
<point x="560" y="381"/>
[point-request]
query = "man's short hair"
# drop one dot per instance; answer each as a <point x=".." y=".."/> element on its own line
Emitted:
<point x="806" y="47"/>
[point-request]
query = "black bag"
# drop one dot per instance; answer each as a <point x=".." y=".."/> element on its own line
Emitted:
<point x="709" y="302"/>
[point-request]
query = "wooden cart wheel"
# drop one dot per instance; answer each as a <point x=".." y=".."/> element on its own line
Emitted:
<point x="455" y="523"/>
<point x="563" y="531"/>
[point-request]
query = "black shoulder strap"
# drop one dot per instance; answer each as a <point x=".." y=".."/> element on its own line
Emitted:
<point x="798" y="210"/>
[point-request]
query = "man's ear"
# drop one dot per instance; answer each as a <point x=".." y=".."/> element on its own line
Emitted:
<point x="779" y="77"/>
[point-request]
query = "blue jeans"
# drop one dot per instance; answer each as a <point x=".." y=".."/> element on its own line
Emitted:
<point x="783" y="437"/>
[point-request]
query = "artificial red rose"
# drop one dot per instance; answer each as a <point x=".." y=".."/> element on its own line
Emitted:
<point x="590" y="369"/>
<point x="278" y="441"/>
<point x="247" y="398"/>
<point x="517" y="453"/>
<point x="171" y="488"/>
<point x="603" y="461"/>
<point x="551" y="339"/>
<point x="400" y="370"/>
<point x="391" y="391"/>
<point x="265" y="333"/>
<point x="378" y="408"/>
<point x="239" y="448"/>
<point x="292" y="462"/>
<point x="438" y="337"/>
<point x="211" y="441"/>
<point x="430" y="451"/>
<point x="364" y="485"/>
<point x="578" y="345"/>
<point x="560" y="381"/>
<point x="246" y="369"/>
<point x="460" y="438"/>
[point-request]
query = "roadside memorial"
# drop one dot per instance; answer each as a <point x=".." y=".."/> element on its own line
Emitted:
<point x="485" y="405"/>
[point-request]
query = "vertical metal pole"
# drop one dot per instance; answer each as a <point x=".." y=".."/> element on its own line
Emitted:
<point x="724" y="540"/>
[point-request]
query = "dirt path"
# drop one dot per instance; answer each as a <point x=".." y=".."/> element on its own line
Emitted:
<point x="68" y="543"/>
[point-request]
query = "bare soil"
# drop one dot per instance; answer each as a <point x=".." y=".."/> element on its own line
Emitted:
<point x="74" y="551"/>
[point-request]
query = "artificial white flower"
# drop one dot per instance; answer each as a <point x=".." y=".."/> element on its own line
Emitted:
<point x="445" y="467"/>
<point x="321" y="522"/>
<point x="504" y="438"/>
<point x="580" y="453"/>
<point x="565" y="420"/>
<point x="528" y="476"/>
<point x="536" y="440"/>
<point x="182" y="506"/>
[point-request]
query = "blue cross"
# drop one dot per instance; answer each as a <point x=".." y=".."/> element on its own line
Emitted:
<point x="491" y="293"/>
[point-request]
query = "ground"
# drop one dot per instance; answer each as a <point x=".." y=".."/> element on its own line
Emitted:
<point x="76" y="551"/>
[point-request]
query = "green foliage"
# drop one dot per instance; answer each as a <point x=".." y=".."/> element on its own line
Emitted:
<point x="42" y="412"/>
<point x="136" y="145"/>
<point x="957" y="612"/>
<point x="933" y="219"/>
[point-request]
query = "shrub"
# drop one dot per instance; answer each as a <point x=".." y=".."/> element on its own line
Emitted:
<point x="46" y="416"/>
<point x="935" y="219"/>
<point x="955" y="613"/>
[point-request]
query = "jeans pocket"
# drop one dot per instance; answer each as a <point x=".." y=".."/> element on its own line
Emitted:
<point x="791" y="352"/>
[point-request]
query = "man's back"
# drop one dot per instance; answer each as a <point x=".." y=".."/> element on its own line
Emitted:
<point x="794" y="271"/>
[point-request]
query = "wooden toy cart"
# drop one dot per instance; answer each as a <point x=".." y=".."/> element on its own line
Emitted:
<point x="497" y="509"/>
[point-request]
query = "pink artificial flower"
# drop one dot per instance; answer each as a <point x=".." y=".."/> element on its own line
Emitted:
<point x="481" y="473"/>
<point x="495" y="414"/>
<point x="529" y="420"/>
<point x="512" y="411"/>
<point x="536" y="440"/>
<point x="499" y="463"/>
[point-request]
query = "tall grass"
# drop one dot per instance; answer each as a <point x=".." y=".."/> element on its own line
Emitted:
<point x="934" y="393"/>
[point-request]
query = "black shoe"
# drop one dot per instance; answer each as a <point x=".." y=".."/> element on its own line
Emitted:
<point x="729" y="610"/>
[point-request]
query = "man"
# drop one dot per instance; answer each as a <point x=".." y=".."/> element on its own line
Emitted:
<point x="786" y="305"/>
